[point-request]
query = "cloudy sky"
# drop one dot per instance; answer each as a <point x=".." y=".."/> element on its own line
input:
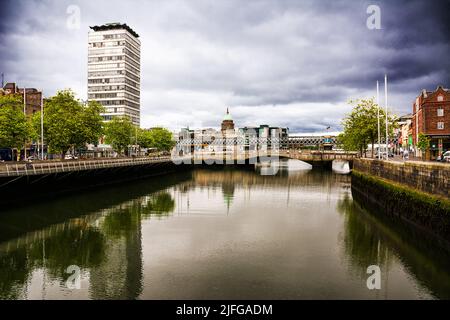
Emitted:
<point x="285" y="63"/>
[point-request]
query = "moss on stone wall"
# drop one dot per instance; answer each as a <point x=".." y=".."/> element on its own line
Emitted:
<point x="397" y="200"/>
<point x="432" y="178"/>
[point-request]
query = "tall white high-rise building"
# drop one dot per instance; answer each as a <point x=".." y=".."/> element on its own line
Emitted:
<point x="114" y="70"/>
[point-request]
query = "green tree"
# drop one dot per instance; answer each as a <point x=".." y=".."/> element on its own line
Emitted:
<point x="423" y="144"/>
<point x="119" y="133"/>
<point x="162" y="139"/>
<point x="68" y="123"/>
<point x="14" y="128"/>
<point x="144" y="138"/>
<point x="35" y="126"/>
<point x="361" y="126"/>
<point x="92" y="124"/>
<point x="35" y="129"/>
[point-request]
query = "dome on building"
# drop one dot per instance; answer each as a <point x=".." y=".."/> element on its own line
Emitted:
<point x="227" y="123"/>
<point x="227" y="116"/>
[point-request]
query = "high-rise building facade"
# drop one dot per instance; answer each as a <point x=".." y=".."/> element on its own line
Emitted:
<point x="114" y="70"/>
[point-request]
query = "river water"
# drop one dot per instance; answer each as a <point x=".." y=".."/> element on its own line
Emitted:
<point x="215" y="234"/>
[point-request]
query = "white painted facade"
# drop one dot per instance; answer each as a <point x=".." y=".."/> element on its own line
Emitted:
<point x="114" y="71"/>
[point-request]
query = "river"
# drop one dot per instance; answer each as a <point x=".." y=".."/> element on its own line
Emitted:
<point x="215" y="234"/>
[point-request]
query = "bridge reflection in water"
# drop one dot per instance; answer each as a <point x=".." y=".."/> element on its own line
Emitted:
<point x="211" y="232"/>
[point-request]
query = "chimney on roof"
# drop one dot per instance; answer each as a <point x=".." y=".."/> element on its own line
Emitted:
<point x="424" y="93"/>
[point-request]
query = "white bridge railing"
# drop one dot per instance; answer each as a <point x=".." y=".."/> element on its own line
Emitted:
<point x="25" y="169"/>
<point x="243" y="141"/>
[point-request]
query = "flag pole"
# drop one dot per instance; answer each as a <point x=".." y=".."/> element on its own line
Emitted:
<point x="386" y="106"/>
<point x="42" y="124"/>
<point x="378" y="118"/>
<point x="25" y="114"/>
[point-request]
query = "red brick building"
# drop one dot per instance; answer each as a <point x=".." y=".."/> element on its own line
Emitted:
<point x="431" y="116"/>
<point x="32" y="96"/>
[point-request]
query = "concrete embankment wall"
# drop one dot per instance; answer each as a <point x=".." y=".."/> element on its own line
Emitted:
<point x="16" y="190"/>
<point x="415" y="192"/>
<point x="25" y="189"/>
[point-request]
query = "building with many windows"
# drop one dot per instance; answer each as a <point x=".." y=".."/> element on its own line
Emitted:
<point x="229" y="139"/>
<point x="431" y="116"/>
<point x="114" y="70"/>
<point x="32" y="97"/>
<point x="264" y="131"/>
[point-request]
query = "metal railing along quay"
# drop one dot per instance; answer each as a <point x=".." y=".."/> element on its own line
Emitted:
<point x="30" y="168"/>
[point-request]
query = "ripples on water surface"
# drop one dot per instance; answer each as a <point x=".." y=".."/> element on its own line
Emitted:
<point x="215" y="234"/>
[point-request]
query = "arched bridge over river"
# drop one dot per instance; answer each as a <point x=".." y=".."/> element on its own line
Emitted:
<point x="231" y="149"/>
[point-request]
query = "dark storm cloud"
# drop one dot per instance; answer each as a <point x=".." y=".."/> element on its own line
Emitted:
<point x="292" y="63"/>
<point x="420" y="39"/>
<point x="420" y="22"/>
<point x="7" y="14"/>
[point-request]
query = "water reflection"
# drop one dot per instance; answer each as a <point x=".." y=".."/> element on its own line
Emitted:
<point x="220" y="233"/>
<point x="372" y="239"/>
<point x="57" y="248"/>
<point x="105" y="244"/>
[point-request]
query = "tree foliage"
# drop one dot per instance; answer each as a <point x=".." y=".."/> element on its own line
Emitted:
<point x="119" y="133"/>
<point x="162" y="139"/>
<point x="423" y="142"/>
<point x="14" y="128"/>
<point x="68" y="123"/>
<point x="361" y="125"/>
<point x="145" y="138"/>
<point x="35" y="126"/>
<point x="92" y="122"/>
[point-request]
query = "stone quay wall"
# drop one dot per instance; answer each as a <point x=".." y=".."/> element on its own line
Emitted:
<point x="415" y="192"/>
<point x="433" y="178"/>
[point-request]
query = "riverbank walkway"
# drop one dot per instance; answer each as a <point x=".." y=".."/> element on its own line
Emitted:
<point x="11" y="169"/>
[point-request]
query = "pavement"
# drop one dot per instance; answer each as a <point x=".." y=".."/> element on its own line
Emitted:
<point x="399" y="158"/>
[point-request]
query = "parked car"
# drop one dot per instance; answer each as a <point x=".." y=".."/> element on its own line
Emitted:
<point x="446" y="156"/>
<point x="70" y="157"/>
<point x="383" y="154"/>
